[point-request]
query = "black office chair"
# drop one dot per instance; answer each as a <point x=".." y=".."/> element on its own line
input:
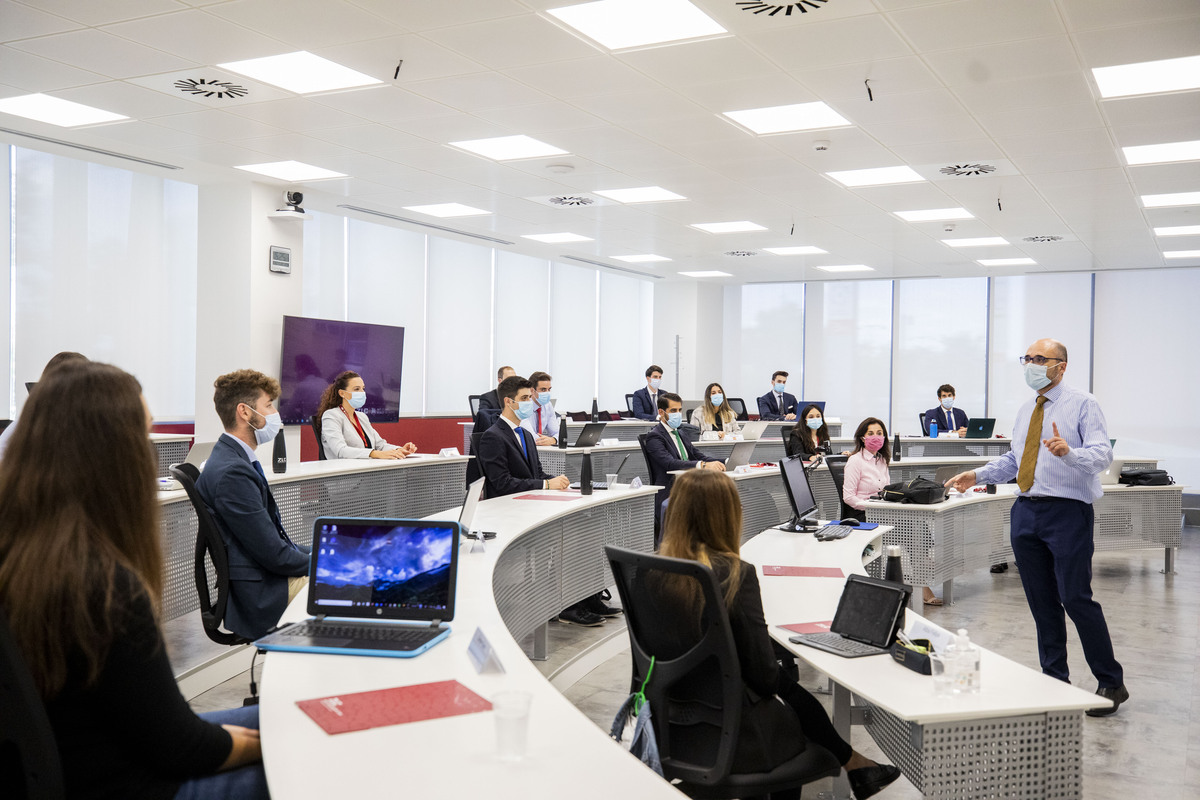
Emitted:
<point x="580" y="416"/>
<point x="837" y="469"/>
<point x="315" y="422"/>
<point x="29" y="763"/>
<point x="4" y="423"/>
<point x="474" y="470"/>
<point x="629" y="402"/>
<point x="924" y="427"/>
<point x="786" y="433"/>
<point x="695" y="690"/>
<point x="739" y="407"/>
<point x="473" y="400"/>
<point x="210" y="547"/>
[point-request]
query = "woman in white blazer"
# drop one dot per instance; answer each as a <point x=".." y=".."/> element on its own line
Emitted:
<point x="715" y="414"/>
<point x="345" y="431"/>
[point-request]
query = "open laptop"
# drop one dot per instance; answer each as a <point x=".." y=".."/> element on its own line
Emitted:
<point x="944" y="474"/>
<point x="467" y="516"/>
<point x="199" y="454"/>
<point x="869" y="613"/>
<point x="740" y="455"/>
<point x="590" y="435"/>
<point x="377" y="587"/>
<point x="1112" y="475"/>
<point x="753" y="430"/>
<point x="980" y="427"/>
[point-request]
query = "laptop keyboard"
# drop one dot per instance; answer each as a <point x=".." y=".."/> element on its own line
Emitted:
<point x="595" y="485"/>
<point x="835" y="641"/>
<point x="408" y="638"/>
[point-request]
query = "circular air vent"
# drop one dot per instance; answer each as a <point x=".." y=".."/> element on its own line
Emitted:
<point x="771" y="9"/>
<point x="967" y="169"/>
<point x="571" y="200"/>
<point x="205" y="88"/>
<point x="1041" y="239"/>
<point x="741" y="253"/>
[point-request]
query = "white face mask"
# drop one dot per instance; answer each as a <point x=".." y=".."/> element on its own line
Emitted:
<point x="274" y="424"/>
<point x="947" y="403"/>
<point x="1036" y="377"/>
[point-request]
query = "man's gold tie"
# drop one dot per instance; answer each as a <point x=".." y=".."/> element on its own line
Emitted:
<point x="1033" y="443"/>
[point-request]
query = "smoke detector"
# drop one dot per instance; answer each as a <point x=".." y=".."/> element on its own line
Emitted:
<point x="204" y="87"/>
<point x="560" y="169"/>
<point x="571" y="200"/>
<point x="1042" y="239"/>
<point x="964" y="170"/>
<point x="741" y="253"/>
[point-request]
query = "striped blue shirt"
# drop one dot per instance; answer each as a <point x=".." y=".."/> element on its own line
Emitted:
<point x="1076" y="475"/>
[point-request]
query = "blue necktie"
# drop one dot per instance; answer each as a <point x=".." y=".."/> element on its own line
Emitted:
<point x="524" y="450"/>
<point x="272" y="507"/>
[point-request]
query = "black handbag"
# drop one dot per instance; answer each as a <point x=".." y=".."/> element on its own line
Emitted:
<point x="1146" y="477"/>
<point x="920" y="491"/>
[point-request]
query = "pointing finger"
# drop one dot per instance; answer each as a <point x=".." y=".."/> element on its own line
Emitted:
<point x="1055" y="426"/>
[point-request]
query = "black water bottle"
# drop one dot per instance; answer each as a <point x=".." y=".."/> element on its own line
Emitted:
<point x="279" y="459"/>
<point x="562" y="433"/>
<point x="893" y="569"/>
<point x="595" y="411"/>
<point x="585" y="474"/>
<point x="896" y="449"/>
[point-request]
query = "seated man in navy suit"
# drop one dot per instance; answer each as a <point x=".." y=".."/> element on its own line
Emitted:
<point x="669" y="449"/>
<point x="490" y="404"/>
<point x="777" y="403"/>
<point x="509" y="459"/>
<point x="262" y="558"/>
<point x="947" y="417"/>
<point x="645" y="400"/>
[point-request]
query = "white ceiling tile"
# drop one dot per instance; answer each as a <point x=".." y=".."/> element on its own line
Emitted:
<point x="297" y="147"/>
<point x="387" y="104"/>
<point x="513" y="41"/>
<point x="1094" y="180"/>
<point x="1166" y="178"/>
<point x="954" y="128"/>
<point x="218" y="153"/>
<point x="975" y="22"/>
<point x="296" y="114"/>
<point x="1028" y="93"/>
<point x="743" y="93"/>
<point x="308" y="24"/>
<point x="216" y="124"/>
<point x="1094" y="139"/>
<point x="679" y="132"/>
<point x="541" y="117"/>
<point x="650" y="104"/>
<point x="582" y="77"/>
<point x="429" y="15"/>
<point x="1085" y="14"/>
<point x="107" y="11"/>
<point x="965" y="69"/>
<point x="22" y="22"/>
<point x="120" y="97"/>
<point x="103" y="53"/>
<point x="1133" y="42"/>
<point x="887" y="76"/>
<point x="145" y="134"/>
<point x="369" y="137"/>
<point x="199" y="37"/>
<point x="457" y="128"/>
<point x="1140" y="110"/>
<point x="949" y="152"/>
<point x="700" y="62"/>
<point x="477" y="92"/>
<point x="594" y="143"/>
<point x="1157" y="131"/>
<point x="1042" y="119"/>
<point x="799" y="49"/>
<point x="849" y="148"/>
<point x="423" y="59"/>
<point x="32" y="73"/>
<point x="1057" y="162"/>
<point x="900" y="107"/>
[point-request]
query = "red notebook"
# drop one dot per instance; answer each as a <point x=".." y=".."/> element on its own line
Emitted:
<point x="808" y="627"/>
<point x="559" y="497"/>
<point x="804" y="572"/>
<point x="364" y="710"/>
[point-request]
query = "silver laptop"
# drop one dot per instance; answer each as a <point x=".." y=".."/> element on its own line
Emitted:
<point x="199" y="454"/>
<point x="1112" y="475"/>
<point x="377" y="587"/>
<point x="944" y="474"/>
<point x="740" y="455"/>
<point x="467" y="516"/>
<point x="754" y="430"/>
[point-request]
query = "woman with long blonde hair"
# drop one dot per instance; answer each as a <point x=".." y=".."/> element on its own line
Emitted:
<point x="715" y="413"/>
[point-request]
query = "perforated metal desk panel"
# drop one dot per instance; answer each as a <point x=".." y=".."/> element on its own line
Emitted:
<point x="171" y="448"/>
<point x="628" y="431"/>
<point x="970" y="532"/>
<point x="408" y="488"/>
<point x="1020" y="737"/>
<point x="568" y="461"/>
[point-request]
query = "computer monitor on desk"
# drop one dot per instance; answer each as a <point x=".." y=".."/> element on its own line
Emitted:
<point x="804" y="506"/>
<point x="803" y="404"/>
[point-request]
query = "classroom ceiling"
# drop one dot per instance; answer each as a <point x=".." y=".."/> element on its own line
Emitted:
<point x="993" y="104"/>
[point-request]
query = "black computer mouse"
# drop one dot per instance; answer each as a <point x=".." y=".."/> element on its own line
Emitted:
<point x="849" y="523"/>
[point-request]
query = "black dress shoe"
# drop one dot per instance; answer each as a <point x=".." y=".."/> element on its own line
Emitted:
<point x="1001" y="567"/>
<point x="867" y="781"/>
<point x="597" y="606"/>
<point x="580" y="616"/>
<point x="1118" y="695"/>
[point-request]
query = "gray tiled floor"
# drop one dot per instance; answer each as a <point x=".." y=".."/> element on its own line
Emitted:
<point x="1150" y="748"/>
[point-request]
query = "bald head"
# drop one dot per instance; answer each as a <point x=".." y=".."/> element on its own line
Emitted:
<point x="1051" y="349"/>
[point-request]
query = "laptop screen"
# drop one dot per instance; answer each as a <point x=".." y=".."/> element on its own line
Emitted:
<point x="383" y="569"/>
<point x="869" y="610"/>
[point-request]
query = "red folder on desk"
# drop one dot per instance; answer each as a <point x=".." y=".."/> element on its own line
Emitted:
<point x="804" y="572"/>
<point x="363" y="710"/>
<point x="559" y="497"/>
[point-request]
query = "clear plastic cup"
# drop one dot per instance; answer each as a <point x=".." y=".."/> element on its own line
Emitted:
<point x="611" y="477"/>
<point x="511" y="710"/>
<point x="943" y="681"/>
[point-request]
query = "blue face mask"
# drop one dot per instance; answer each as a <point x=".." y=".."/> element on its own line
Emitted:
<point x="947" y="403"/>
<point x="675" y="419"/>
<point x="1035" y="376"/>
<point x="544" y="398"/>
<point x="655" y="383"/>
<point x="358" y="399"/>
<point x="779" y="387"/>
<point x="815" y="423"/>
<point x="525" y="409"/>
<point x="717" y="399"/>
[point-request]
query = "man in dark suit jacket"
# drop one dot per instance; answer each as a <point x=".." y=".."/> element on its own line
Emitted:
<point x="262" y="558"/>
<point x="490" y="404"/>
<point x="669" y="448"/>
<point x="645" y="400"/>
<point x="777" y="403"/>
<point x="947" y="417"/>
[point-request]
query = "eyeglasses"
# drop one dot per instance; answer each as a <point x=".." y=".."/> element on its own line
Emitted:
<point x="1039" y="360"/>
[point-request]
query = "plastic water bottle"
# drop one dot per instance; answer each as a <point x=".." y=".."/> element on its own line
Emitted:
<point x="933" y="430"/>
<point x="962" y="659"/>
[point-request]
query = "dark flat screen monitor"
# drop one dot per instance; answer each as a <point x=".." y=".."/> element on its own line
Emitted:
<point x="795" y="481"/>
<point x="803" y="404"/>
<point x="315" y="351"/>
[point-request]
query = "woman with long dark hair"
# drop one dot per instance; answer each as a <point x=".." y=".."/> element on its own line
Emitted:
<point x="703" y="523"/>
<point x="81" y="582"/>
<point x="810" y="436"/>
<point x="346" y="432"/>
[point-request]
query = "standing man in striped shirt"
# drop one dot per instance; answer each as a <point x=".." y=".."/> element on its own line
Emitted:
<point x="1062" y="442"/>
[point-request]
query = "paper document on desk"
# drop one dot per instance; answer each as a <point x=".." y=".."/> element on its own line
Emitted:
<point x="364" y="710"/>
<point x="809" y="627"/>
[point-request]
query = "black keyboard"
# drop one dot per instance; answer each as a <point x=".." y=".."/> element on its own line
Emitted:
<point x="838" y="644"/>
<point x="833" y="532"/>
<point x="407" y="638"/>
<point x="595" y="485"/>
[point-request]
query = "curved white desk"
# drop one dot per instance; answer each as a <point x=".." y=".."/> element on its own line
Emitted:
<point x="511" y="585"/>
<point x="1019" y="737"/>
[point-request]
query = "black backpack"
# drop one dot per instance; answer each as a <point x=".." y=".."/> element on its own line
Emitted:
<point x="921" y="491"/>
<point x="1146" y="477"/>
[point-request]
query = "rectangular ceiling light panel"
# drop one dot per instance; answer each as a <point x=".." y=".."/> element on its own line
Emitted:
<point x="1162" y="153"/>
<point x="509" y="148"/>
<point x="728" y="227"/>
<point x="301" y="72"/>
<point x="291" y="171"/>
<point x="622" y="24"/>
<point x="1149" y="77"/>
<point x="56" y="111"/>
<point x="877" y="176"/>
<point x="643" y="194"/>
<point x="785" y="119"/>
<point x="934" y="214"/>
